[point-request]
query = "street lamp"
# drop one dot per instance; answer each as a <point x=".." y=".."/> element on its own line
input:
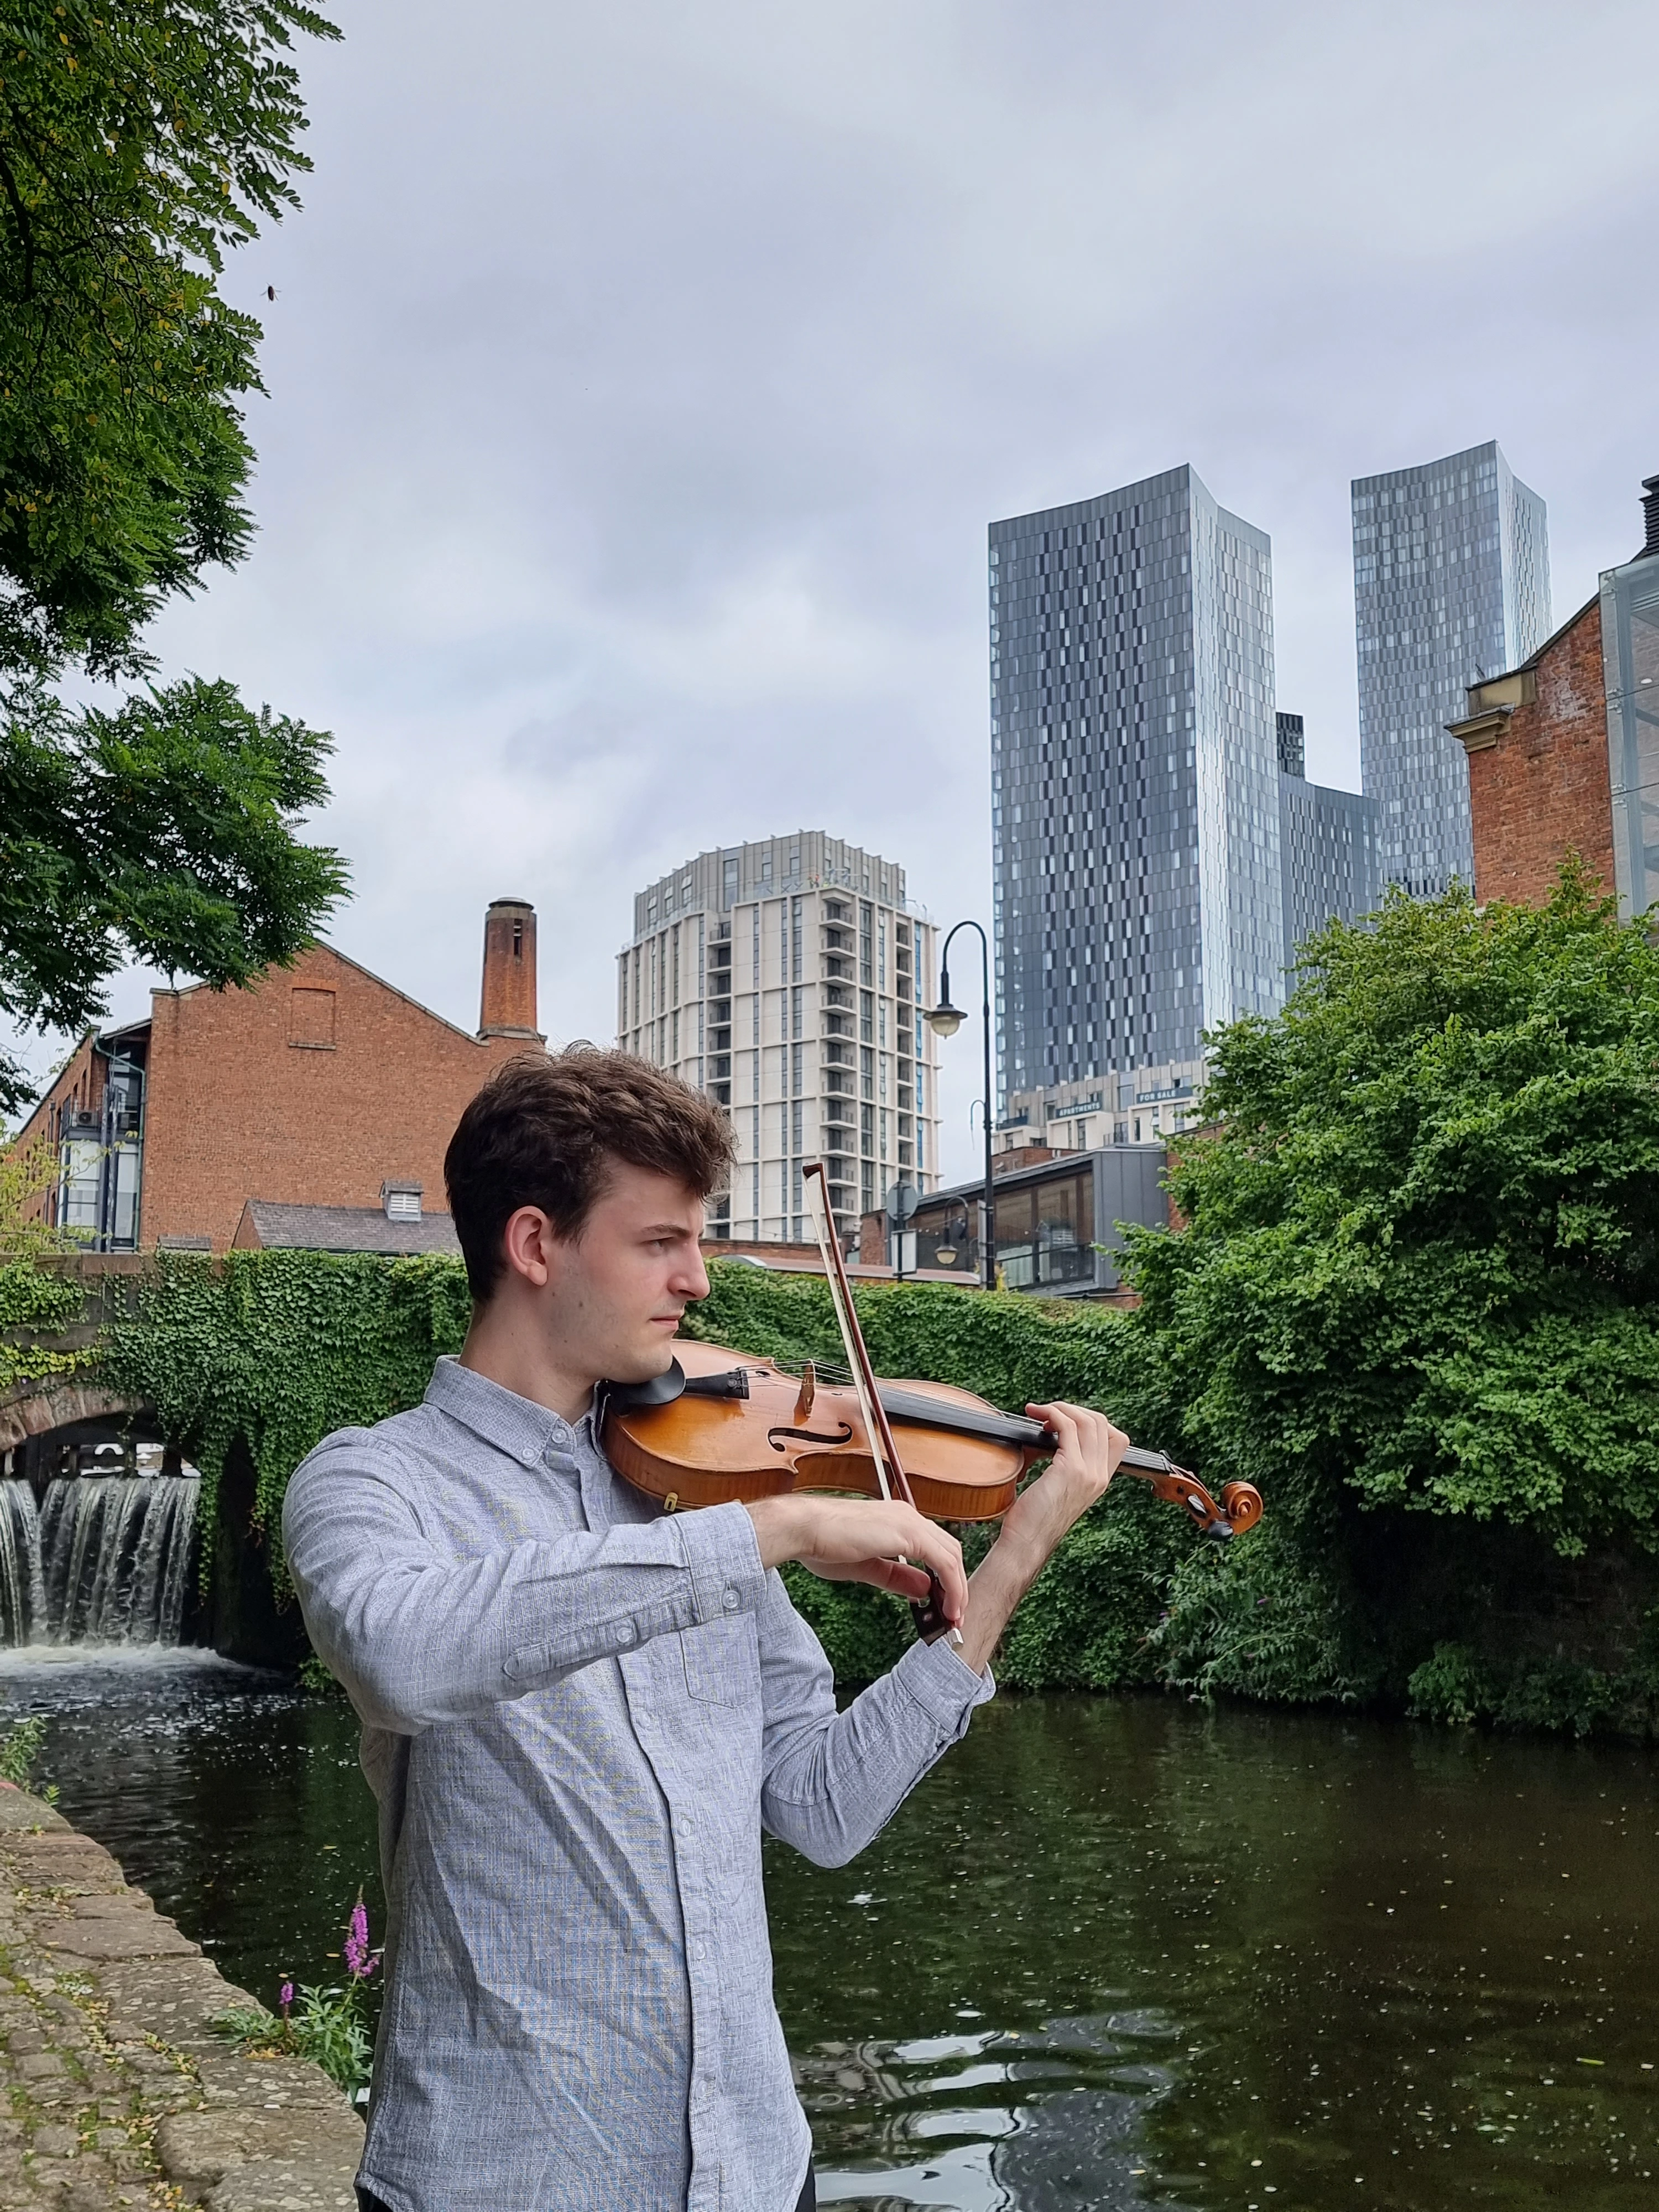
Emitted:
<point x="944" y="1020"/>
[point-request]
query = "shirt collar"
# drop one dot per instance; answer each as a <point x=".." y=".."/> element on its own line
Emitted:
<point x="516" y="1425"/>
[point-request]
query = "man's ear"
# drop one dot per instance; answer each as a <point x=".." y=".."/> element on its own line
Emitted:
<point x="527" y="1245"/>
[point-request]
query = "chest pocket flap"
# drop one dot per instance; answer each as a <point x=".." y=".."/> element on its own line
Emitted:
<point x="722" y="1660"/>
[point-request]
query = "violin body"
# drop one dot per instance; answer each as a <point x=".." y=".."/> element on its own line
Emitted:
<point x="725" y="1425"/>
<point x="799" y="1432"/>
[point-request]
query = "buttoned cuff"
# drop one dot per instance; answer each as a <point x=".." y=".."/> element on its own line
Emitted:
<point x="943" y="1684"/>
<point x="722" y="1555"/>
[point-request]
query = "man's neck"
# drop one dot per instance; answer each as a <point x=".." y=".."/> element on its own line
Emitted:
<point x="502" y="1347"/>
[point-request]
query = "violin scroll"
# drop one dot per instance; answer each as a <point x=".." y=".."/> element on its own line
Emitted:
<point x="1242" y="1504"/>
<point x="1241" y="1501"/>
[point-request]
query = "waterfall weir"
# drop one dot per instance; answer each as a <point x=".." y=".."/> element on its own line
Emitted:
<point x="101" y="1558"/>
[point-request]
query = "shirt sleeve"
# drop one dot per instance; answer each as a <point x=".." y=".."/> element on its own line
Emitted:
<point x="832" y="1780"/>
<point x="419" y="1638"/>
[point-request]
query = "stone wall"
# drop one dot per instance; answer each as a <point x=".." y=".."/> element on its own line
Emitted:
<point x="120" y="2092"/>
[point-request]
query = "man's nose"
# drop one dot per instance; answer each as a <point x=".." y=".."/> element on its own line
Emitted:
<point x="691" y="1277"/>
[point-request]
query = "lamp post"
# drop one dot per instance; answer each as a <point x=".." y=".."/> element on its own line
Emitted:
<point x="944" y="1021"/>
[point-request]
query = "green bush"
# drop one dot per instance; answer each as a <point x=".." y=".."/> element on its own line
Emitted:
<point x="1450" y="1686"/>
<point x="323" y="2025"/>
<point x="20" y="1748"/>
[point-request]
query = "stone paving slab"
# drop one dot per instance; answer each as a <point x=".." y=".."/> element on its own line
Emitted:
<point x="199" y="2148"/>
<point x="118" y="2096"/>
<point x="268" y="2185"/>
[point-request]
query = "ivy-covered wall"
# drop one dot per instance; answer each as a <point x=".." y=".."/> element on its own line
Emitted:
<point x="263" y="1353"/>
<point x="37" y="1306"/>
<point x="274" y="1349"/>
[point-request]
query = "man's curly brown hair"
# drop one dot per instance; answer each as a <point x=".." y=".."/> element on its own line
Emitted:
<point x="546" y="1130"/>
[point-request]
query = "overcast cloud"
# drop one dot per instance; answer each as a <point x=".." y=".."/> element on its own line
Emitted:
<point x="642" y="379"/>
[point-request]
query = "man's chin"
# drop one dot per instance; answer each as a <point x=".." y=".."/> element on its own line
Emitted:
<point x="646" y="1362"/>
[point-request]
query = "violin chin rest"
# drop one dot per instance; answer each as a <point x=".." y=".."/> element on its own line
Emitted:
<point x="658" y="1390"/>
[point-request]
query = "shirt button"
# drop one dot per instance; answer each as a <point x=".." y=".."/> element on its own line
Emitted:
<point x="688" y="1826"/>
<point x="625" y="1631"/>
<point x="731" y="1600"/>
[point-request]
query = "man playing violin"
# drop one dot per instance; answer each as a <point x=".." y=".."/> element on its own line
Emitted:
<point x="580" y="1712"/>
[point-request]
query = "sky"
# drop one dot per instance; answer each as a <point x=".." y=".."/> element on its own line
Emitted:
<point x="641" y="380"/>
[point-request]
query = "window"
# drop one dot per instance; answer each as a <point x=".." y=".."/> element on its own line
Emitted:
<point x="311" y="1019"/>
<point x="1045" y="1233"/>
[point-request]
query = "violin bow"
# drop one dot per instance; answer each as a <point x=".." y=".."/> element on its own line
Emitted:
<point x="891" y="1477"/>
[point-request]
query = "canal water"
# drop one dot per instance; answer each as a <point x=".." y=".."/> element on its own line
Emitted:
<point x="1111" y="1953"/>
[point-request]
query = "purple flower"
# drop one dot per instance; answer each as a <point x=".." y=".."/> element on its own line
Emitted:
<point x="360" y="1961"/>
<point x="285" y="1998"/>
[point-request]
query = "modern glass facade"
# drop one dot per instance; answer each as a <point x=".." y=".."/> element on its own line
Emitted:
<point x="1057" y="1224"/>
<point x="1134" y="779"/>
<point x="1333" y="862"/>
<point x="1629" y="659"/>
<point x="1451" y="584"/>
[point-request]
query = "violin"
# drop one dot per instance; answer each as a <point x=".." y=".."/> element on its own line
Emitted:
<point x="721" y="1427"/>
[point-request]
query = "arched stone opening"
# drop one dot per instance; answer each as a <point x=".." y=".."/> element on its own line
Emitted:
<point x="98" y="1523"/>
<point x="59" y="1431"/>
<point x="33" y="1410"/>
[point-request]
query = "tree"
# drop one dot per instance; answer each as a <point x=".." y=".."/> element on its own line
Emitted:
<point x="137" y="145"/>
<point x="1421" y="1264"/>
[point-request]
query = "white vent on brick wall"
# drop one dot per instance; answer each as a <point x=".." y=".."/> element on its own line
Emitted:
<point x="402" y="1200"/>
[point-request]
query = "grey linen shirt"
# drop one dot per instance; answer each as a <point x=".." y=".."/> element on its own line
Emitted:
<point x="579" y="1713"/>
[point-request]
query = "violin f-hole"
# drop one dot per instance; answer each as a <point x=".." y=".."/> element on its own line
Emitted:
<point x="778" y="1438"/>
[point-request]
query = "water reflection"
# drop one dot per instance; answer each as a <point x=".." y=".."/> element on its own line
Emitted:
<point x="1270" y="1958"/>
<point x="1108" y="1954"/>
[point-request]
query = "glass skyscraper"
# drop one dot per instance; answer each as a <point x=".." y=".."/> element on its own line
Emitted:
<point x="1333" y="869"/>
<point x="1139" y="893"/>
<point x="1451" y="584"/>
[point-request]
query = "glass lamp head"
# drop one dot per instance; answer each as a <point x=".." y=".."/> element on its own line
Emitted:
<point x="944" y="1020"/>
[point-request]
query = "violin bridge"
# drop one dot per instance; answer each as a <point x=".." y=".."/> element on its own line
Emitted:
<point x="809" y="1390"/>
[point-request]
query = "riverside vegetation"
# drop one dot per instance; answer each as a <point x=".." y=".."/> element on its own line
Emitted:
<point x="1414" y="1298"/>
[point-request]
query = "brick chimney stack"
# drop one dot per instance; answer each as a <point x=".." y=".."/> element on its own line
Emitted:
<point x="509" y="972"/>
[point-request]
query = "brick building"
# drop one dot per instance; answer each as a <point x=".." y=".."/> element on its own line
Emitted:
<point x="320" y="1087"/>
<point x="1559" y="747"/>
<point x="1539" y="786"/>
